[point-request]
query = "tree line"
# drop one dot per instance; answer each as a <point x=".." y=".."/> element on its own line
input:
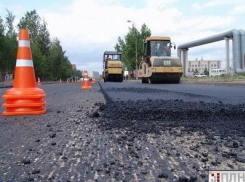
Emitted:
<point x="128" y="46"/>
<point x="49" y="59"/>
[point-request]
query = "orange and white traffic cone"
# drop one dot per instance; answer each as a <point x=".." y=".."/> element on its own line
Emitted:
<point x="39" y="82"/>
<point x="67" y="81"/>
<point x="86" y="85"/>
<point x="24" y="98"/>
<point x="60" y="81"/>
<point x="93" y="81"/>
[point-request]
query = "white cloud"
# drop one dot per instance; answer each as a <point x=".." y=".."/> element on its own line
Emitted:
<point x="204" y="23"/>
<point x="96" y="26"/>
<point x="215" y="3"/>
<point x="238" y="10"/>
<point x="159" y="5"/>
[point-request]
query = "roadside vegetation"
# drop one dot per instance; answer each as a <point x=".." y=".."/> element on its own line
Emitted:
<point x="49" y="58"/>
<point x="128" y="46"/>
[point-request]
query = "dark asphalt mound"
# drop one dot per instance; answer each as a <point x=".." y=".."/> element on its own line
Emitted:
<point x="152" y="116"/>
<point x="190" y="136"/>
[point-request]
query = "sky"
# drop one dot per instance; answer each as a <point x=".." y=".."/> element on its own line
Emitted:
<point x="87" y="28"/>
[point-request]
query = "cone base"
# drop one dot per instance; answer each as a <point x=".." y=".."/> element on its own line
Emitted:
<point x="24" y="101"/>
<point x="5" y="113"/>
<point x="86" y="88"/>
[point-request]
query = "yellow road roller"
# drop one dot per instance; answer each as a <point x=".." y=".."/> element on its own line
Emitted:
<point x="112" y="66"/>
<point x="157" y="65"/>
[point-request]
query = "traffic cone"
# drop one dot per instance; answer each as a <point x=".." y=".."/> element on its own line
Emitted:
<point x="93" y="81"/>
<point x="39" y="82"/>
<point x="60" y="81"/>
<point x="24" y="98"/>
<point x="86" y="85"/>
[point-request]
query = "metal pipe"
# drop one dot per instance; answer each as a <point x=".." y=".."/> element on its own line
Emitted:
<point x="235" y="34"/>
<point x="207" y="40"/>
<point x="227" y="41"/>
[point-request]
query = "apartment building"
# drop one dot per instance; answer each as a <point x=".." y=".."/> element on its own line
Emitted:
<point x="200" y="66"/>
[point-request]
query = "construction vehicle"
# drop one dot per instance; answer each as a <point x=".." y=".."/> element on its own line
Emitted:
<point x="113" y="67"/>
<point x="157" y="65"/>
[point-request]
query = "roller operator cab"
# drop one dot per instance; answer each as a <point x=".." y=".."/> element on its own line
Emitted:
<point x="157" y="65"/>
<point x="112" y="66"/>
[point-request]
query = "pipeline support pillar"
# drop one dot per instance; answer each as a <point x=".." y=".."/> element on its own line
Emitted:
<point x="184" y="59"/>
<point x="227" y="41"/>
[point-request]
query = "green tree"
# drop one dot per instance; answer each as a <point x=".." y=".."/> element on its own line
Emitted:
<point x="44" y="39"/>
<point x="2" y="29"/>
<point x="76" y="73"/>
<point x="206" y="72"/>
<point x="65" y="67"/>
<point x="32" y="22"/>
<point x="12" y="43"/>
<point x="2" y="50"/>
<point x="60" y="65"/>
<point x="145" y="32"/>
<point x="9" y="23"/>
<point x="55" y="58"/>
<point x="40" y="42"/>
<point x="196" y="71"/>
<point x="8" y="45"/>
<point x="127" y="46"/>
<point x="48" y="56"/>
<point x="37" y="58"/>
<point x="43" y="44"/>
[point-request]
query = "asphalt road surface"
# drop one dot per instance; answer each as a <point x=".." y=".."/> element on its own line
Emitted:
<point x="126" y="132"/>
<point x="186" y="92"/>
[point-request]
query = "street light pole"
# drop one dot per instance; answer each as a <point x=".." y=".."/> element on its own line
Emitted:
<point x="136" y="52"/>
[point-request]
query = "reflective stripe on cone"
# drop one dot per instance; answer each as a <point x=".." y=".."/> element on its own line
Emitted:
<point x="24" y="43"/>
<point x="24" y="63"/>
